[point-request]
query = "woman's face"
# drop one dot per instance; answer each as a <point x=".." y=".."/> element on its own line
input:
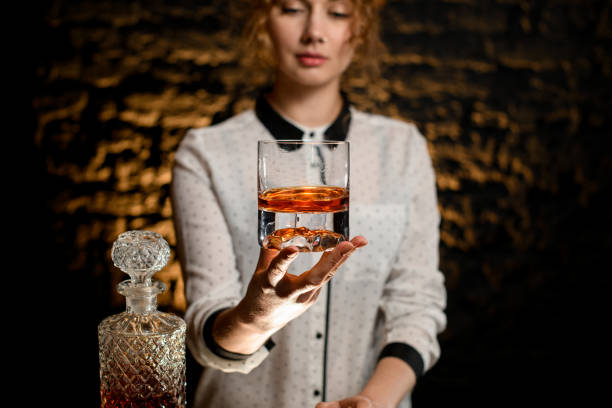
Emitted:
<point x="312" y="40"/>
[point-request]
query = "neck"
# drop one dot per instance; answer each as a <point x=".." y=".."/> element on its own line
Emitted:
<point x="307" y="106"/>
<point x="141" y="304"/>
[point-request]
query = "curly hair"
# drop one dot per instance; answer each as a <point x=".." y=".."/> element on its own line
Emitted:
<point x="257" y="51"/>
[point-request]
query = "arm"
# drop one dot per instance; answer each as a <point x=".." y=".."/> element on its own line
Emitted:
<point x="413" y="297"/>
<point x="392" y="379"/>
<point x="205" y="250"/>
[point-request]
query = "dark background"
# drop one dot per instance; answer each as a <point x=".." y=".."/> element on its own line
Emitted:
<point x="513" y="97"/>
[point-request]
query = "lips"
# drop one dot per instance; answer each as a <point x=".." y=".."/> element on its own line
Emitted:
<point x="311" y="59"/>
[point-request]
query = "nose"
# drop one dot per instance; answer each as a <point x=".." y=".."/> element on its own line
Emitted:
<point x="314" y="29"/>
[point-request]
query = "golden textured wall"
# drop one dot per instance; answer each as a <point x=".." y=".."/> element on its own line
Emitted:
<point x="513" y="97"/>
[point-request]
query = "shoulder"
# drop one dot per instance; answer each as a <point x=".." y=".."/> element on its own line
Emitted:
<point x="390" y="134"/>
<point x="398" y="141"/>
<point x="233" y="126"/>
<point x="208" y="139"/>
<point x="385" y="125"/>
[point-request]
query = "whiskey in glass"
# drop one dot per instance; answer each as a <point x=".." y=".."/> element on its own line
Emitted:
<point x="303" y="194"/>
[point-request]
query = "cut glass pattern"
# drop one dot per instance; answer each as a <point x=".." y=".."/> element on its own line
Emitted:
<point x="142" y="350"/>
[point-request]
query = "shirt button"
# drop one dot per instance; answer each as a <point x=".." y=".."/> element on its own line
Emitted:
<point x="316" y="393"/>
<point x="319" y="335"/>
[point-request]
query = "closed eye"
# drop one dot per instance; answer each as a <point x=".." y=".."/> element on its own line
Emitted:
<point x="338" y="14"/>
<point x="291" y="10"/>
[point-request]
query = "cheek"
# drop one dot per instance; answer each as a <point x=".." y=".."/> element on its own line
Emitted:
<point x="273" y="40"/>
<point x="346" y="48"/>
<point x="346" y="52"/>
<point x="275" y="33"/>
<point x="283" y="36"/>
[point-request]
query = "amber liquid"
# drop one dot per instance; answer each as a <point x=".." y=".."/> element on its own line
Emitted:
<point x="164" y="401"/>
<point x="305" y="199"/>
<point x="312" y="218"/>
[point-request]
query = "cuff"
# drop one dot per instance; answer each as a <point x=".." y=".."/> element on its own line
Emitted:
<point x="220" y="351"/>
<point x="404" y="352"/>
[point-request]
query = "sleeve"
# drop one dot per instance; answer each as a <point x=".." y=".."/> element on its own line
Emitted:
<point x="205" y="251"/>
<point x="414" y="296"/>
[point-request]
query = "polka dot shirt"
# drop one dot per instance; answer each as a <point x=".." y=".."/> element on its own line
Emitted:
<point x="388" y="299"/>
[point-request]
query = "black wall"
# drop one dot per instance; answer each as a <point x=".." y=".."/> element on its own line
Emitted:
<point x="513" y="97"/>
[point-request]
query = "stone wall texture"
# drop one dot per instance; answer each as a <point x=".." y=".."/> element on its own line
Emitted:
<point x="513" y="97"/>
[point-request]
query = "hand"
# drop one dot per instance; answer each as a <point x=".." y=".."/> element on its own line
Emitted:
<point x="358" y="401"/>
<point x="391" y="380"/>
<point x="275" y="297"/>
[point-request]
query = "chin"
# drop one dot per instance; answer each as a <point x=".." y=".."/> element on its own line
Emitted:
<point x="314" y="79"/>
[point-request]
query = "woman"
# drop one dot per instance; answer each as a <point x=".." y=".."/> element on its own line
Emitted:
<point x="291" y="334"/>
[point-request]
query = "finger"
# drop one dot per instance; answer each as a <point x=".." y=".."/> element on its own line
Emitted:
<point x="327" y="266"/>
<point x="355" y="402"/>
<point x="279" y="265"/>
<point x="364" y="404"/>
<point x="308" y="297"/>
<point x="359" y="241"/>
<point x="334" y="404"/>
<point x="314" y="295"/>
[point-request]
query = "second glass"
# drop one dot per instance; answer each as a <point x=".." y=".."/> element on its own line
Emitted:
<point x="303" y="194"/>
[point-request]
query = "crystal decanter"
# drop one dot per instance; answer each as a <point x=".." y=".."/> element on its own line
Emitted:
<point x="142" y="350"/>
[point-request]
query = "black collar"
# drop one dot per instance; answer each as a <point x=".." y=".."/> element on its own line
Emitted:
<point x="283" y="130"/>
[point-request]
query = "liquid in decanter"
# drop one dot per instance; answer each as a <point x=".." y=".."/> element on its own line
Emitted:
<point x="142" y="350"/>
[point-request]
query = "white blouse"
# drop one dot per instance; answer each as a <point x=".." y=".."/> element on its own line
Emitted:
<point x="389" y="296"/>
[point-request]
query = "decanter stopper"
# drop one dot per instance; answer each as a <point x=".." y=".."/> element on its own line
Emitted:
<point x="140" y="254"/>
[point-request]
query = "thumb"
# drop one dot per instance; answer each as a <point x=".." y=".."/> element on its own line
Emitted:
<point x="265" y="258"/>
<point x="280" y="264"/>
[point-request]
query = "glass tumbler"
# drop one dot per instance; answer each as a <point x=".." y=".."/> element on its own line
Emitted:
<point x="303" y="194"/>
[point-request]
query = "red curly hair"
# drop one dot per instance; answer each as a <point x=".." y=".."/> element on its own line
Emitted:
<point x="257" y="48"/>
